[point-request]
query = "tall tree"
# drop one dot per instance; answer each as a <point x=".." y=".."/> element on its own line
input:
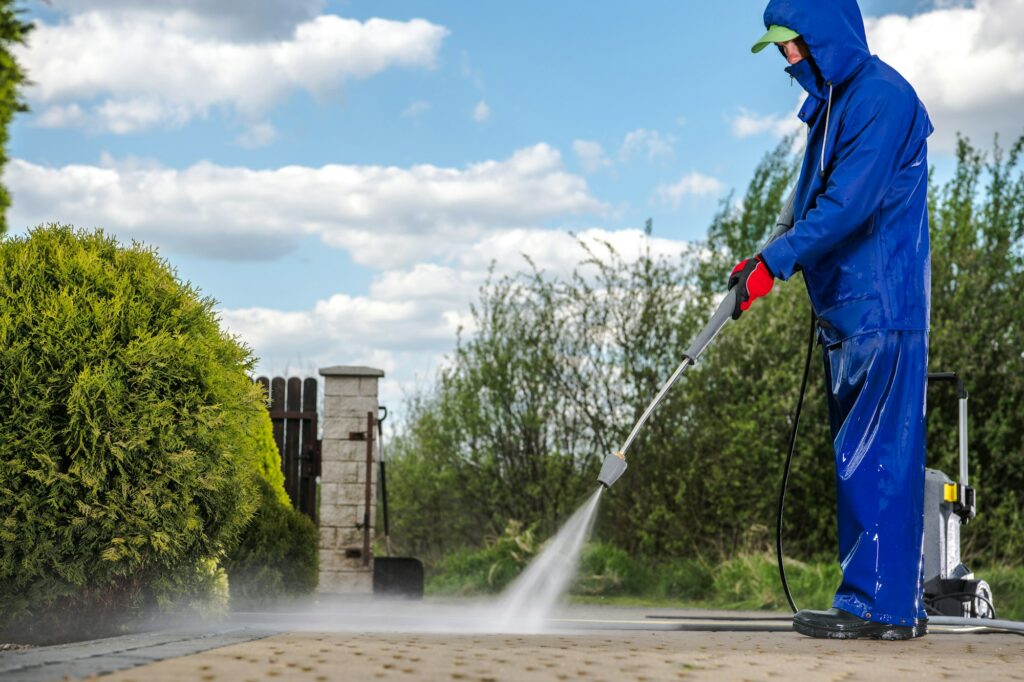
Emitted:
<point x="12" y="78"/>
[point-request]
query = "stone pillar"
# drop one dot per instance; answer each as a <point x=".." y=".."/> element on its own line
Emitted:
<point x="349" y="393"/>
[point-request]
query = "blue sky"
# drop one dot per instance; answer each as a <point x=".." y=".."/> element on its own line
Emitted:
<point x="453" y="133"/>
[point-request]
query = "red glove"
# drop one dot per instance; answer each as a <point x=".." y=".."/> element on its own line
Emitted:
<point x="752" y="279"/>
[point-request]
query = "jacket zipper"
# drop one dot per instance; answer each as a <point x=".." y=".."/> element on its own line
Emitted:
<point x="824" y="141"/>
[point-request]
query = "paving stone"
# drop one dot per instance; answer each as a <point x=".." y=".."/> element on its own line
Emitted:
<point x="619" y="656"/>
<point x="103" y="656"/>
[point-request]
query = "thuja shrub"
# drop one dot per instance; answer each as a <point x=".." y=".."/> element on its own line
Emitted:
<point x="124" y="411"/>
<point x="260" y="441"/>
<point x="277" y="557"/>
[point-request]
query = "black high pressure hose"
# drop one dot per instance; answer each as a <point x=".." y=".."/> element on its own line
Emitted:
<point x="789" y="462"/>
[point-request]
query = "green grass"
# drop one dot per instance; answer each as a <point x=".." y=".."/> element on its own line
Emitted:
<point x="755" y="586"/>
<point x="1007" y="583"/>
<point x="746" y="581"/>
<point x="609" y="575"/>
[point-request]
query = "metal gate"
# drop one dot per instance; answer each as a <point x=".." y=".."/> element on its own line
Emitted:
<point x="293" y="412"/>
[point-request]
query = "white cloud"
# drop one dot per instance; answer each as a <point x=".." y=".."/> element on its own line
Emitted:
<point x="133" y="70"/>
<point x="416" y="108"/>
<point x="591" y="155"/>
<point x="140" y="113"/>
<point x="649" y="143"/>
<point x="474" y="75"/>
<point x="747" y="123"/>
<point x="257" y="135"/>
<point x="481" y="112"/>
<point x="61" y="116"/>
<point x="233" y="18"/>
<point x="965" y="63"/>
<point x="558" y="252"/>
<point x="693" y="184"/>
<point x="410" y="316"/>
<point x="384" y="216"/>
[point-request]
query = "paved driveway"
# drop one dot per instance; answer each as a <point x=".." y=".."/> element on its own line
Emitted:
<point x="609" y="656"/>
<point x="430" y="641"/>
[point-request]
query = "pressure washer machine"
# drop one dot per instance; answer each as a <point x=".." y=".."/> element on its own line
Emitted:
<point x="950" y="588"/>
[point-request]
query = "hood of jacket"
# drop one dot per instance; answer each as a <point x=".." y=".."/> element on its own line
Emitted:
<point x="832" y="29"/>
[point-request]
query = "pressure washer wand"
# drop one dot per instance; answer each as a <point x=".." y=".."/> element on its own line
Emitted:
<point x="614" y="465"/>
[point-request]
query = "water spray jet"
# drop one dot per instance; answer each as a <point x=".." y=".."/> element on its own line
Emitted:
<point x="526" y="604"/>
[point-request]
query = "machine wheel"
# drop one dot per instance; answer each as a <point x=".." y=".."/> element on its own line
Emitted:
<point x="982" y="605"/>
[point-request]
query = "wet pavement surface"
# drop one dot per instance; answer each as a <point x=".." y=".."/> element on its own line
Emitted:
<point x="588" y="644"/>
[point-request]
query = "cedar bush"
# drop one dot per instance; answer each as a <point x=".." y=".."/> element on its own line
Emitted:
<point x="124" y="473"/>
<point x="278" y="555"/>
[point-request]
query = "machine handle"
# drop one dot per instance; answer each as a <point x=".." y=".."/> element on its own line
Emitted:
<point x="961" y="390"/>
<point x="961" y="394"/>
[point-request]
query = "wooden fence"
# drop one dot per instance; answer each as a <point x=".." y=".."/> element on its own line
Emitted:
<point x="293" y="412"/>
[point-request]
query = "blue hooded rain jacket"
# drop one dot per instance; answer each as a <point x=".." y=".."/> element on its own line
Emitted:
<point x="861" y="231"/>
<point x="860" y="237"/>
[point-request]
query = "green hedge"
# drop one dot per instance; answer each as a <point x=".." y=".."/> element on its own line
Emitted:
<point x="124" y="468"/>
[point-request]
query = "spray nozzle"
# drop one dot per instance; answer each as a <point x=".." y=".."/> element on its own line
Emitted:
<point x="612" y="468"/>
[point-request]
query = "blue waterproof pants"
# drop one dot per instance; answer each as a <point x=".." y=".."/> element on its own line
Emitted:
<point x="877" y="414"/>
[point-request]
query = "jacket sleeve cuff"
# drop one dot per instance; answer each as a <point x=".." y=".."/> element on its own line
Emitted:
<point x="780" y="258"/>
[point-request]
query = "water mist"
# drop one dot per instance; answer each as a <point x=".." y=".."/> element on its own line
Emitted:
<point x="527" y="602"/>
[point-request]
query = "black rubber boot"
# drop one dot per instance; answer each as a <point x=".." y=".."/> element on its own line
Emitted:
<point x="839" y="624"/>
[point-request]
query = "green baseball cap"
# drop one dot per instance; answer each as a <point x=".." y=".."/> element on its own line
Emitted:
<point x="775" y="34"/>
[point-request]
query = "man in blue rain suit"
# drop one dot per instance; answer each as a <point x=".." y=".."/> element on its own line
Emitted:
<point x="860" y="237"/>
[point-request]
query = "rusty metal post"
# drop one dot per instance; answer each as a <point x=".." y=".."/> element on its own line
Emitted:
<point x="369" y="488"/>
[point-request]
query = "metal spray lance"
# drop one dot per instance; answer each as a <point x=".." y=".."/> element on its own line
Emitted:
<point x="614" y="465"/>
